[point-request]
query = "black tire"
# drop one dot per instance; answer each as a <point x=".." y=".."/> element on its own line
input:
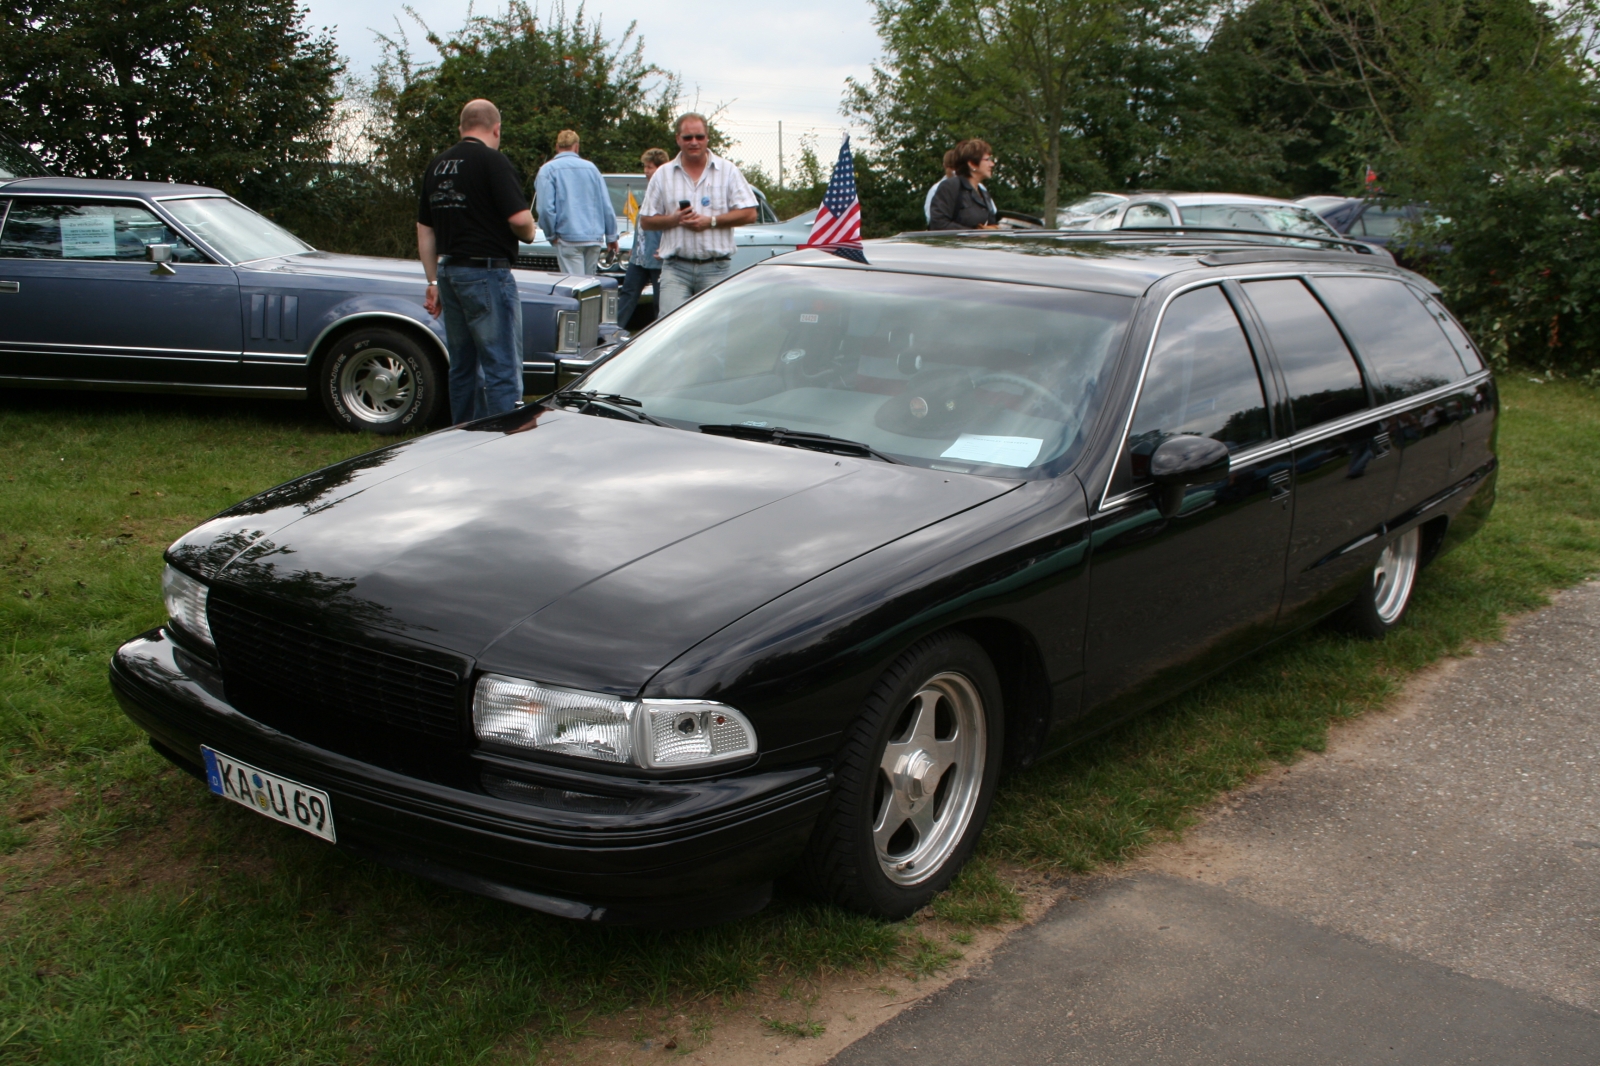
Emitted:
<point x="1383" y="601"/>
<point x="379" y="381"/>
<point x="843" y="861"/>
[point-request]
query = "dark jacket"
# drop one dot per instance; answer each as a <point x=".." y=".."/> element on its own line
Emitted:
<point x="957" y="205"/>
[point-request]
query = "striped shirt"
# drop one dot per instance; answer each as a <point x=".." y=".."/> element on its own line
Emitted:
<point x="721" y="189"/>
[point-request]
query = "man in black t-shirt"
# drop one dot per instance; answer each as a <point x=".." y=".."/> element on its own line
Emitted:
<point x="471" y="213"/>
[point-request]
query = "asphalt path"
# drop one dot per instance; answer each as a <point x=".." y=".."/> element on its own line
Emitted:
<point x="1427" y="891"/>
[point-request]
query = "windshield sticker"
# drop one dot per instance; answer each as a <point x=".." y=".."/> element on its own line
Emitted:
<point x="85" y="236"/>
<point x="808" y="318"/>
<point x="998" y="451"/>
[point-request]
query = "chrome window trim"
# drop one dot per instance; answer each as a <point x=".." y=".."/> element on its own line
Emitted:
<point x="1310" y="436"/>
<point x="5" y="214"/>
<point x="153" y="205"/>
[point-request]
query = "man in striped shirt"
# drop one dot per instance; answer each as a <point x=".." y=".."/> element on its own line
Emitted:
<point x="695" y="201"/>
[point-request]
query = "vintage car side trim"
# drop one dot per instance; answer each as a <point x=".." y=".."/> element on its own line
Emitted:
<point x="288" y="392"/>
<point x="316" y="344"/>
<point x="112" y="349"/>
<point x="1107" y="501"/>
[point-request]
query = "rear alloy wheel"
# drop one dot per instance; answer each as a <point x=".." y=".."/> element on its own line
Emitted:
<point x="915" y="782"/>
<point x="379" y="381"/>
<point x="1381" y="606"/>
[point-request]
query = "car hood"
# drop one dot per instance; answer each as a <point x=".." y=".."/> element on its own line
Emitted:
<point x="374" y="268"/>
<point x="574" y="549"/>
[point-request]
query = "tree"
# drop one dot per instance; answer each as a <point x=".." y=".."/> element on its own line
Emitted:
<point x="232" y="93"/>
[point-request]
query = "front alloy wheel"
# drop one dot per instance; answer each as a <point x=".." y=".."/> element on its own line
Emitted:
<point x="379" y="381"/>
<point x="914" y="782"/>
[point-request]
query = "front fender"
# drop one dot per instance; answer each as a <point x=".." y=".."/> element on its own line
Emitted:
<point x="378" y="308"/>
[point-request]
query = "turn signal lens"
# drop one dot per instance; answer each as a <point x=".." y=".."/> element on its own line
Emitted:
<point x="654" y="734"/>
<point x="186" y="604"/>
<point x="608" y="312"/>
<point x="566" y="331"/>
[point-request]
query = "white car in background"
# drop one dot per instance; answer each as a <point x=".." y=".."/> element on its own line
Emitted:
<point x="1229" y="211"/>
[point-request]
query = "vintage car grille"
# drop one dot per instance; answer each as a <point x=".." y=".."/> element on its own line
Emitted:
<point x="590" y="304"/>
<point x="546" y="263"/>
<point x="272" y="665"/>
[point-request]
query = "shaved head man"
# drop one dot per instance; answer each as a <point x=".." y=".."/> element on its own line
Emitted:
<point x="469" y="219"/>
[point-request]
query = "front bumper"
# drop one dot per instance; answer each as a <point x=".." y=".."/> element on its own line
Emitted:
<point x="681" y="853"/>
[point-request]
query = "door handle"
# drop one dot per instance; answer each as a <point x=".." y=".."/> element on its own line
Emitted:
<point x="10" y="286"/>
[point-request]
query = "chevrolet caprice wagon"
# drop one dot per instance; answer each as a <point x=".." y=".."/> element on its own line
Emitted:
<point x="787" y="582"/>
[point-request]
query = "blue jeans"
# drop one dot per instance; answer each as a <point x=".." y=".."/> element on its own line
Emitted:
<point x="577" y="258"/>
<point x="483" y="324"/>
<point x="683" y="278"/>
<point x="633" y="283"/>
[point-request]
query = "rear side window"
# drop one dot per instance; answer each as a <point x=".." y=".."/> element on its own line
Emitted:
<point x="45" y="230"/>
<point x="1452" y="329"/>
<point x="1141" y="216"/>
<point x="1323" y="378"/>
<point x="1401" y="344"/>
<point x="1202" y="380"/>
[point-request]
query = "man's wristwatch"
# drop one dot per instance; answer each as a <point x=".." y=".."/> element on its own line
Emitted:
<point x="713" y="221"/>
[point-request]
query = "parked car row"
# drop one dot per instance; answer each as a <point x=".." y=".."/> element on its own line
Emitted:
<point x="180" y="288"/>
<point x="805" y="566"/>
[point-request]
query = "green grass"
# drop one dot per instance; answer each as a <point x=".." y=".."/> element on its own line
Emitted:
<point x="145" y="923"/>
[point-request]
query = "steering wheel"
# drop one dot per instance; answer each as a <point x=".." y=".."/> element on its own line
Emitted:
<point x="1029" y="385"/>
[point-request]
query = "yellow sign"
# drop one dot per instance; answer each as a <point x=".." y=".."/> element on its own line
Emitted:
<point x="631" y="209"/>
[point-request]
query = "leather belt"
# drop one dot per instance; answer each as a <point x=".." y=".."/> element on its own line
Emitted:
<point x="477" y="261"/>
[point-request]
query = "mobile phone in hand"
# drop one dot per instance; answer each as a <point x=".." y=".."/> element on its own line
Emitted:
<point x="682" y="204"/>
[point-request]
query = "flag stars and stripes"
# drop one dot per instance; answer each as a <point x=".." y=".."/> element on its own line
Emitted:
<point x="838" y="225"/>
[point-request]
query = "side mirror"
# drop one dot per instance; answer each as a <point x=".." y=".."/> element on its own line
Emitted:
<point x="161" y="256"/>
<point x="1182" y="461"/>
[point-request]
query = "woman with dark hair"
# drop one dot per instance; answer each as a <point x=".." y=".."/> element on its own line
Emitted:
<point x="962" y="202"/>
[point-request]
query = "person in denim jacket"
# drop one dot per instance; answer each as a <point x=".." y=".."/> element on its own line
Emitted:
<point x="574" y="208"/>
<point x="644" y="265"/>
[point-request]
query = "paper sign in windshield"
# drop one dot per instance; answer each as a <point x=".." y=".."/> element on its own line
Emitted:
<point x="998" y="451"/>
<point x="88" y="236"/>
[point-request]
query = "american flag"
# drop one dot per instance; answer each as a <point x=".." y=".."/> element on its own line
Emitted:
<point x="838" y="225"/>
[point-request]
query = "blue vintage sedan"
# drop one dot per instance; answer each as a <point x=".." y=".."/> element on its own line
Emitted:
<point x="179" y="288"/>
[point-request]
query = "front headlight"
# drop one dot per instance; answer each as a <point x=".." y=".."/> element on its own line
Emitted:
<point x="566" y="331"/>
<point x="653" y="734"/>
<point x="186" y="604"/>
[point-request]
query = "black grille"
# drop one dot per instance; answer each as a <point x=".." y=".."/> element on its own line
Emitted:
<point x="270" y="663"/>
<point x="546" y="263"/>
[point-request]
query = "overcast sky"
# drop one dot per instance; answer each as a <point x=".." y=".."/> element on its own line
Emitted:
<point x="765" y="61"/>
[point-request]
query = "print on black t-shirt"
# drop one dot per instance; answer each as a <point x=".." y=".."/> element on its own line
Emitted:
<point x="468" y="193"/>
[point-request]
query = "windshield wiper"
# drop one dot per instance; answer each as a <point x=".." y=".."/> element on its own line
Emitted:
<point x="622" y="405"/>
<point x="798" y="438"/>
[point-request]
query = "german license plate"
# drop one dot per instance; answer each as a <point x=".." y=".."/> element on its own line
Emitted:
<point x="270" y="794"/>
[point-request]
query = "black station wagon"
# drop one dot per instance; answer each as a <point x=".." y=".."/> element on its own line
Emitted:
<point x="789" y="580"/>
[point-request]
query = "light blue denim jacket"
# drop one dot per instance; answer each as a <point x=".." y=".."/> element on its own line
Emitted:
<point x="647" y="249"/>
<point x="574" y="205"/>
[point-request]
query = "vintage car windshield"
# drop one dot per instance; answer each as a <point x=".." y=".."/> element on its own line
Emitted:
<point x="974" y="376"/>
<point x="237" y="232"/>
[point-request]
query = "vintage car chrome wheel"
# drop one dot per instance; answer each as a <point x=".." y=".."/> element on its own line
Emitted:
<point x="916" y="780"/>
<point x="379" y="381"/>
<point x="1381" y="606"/>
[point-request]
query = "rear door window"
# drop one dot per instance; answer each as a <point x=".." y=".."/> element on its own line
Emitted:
<point x="1202" y="380"/>
<point x="43" y="229"/>
<point x="1399" y="341"/>
<point x="1470" y="357"/>
<point x="1322" y="376"/>
<point x="1142" y="216"/>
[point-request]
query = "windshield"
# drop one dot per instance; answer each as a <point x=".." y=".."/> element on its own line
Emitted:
<point x="971" y="376"/>
<point x="234" y="230"/>
<point x="17" y="162"/>
<point x="619" y="185"/>
<point x="1273" y="218"/>
<point x="1091" y="205"/>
